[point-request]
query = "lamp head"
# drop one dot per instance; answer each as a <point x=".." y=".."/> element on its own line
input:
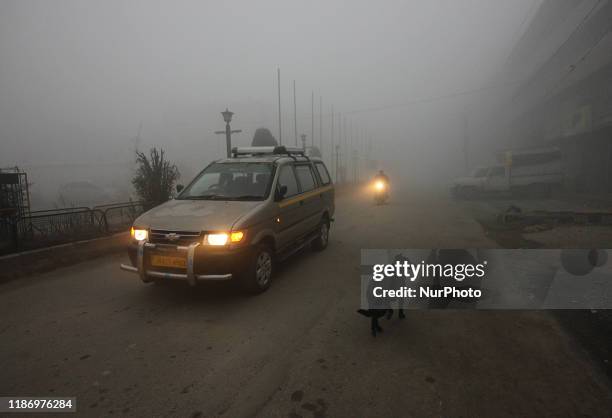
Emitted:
<point x="227" y="115"/>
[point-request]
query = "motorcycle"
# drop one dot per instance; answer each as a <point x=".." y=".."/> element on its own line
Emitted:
<point x="381" y="192"/>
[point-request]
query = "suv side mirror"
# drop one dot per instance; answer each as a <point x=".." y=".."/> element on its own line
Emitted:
<point x="179" y="188"/>
<point x="280" y="193"/>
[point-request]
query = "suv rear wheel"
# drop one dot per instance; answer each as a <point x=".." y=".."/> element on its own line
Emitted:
<point x="258" y="274"/>
<point x="320" y="243"/>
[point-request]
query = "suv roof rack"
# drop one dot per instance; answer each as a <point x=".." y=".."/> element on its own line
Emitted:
<point x="290" y="151"/>
<point x="271" y="150"/>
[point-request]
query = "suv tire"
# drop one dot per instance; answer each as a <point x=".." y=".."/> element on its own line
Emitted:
<point x="258" y="273"/>
<point x="320" y="243"/>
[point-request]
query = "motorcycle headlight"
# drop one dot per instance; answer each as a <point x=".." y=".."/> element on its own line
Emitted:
<point x="379" y="185"/>
<point x="139" y="234"/>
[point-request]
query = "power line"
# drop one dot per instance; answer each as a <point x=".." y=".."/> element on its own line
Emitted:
<point x="519" y="31"/>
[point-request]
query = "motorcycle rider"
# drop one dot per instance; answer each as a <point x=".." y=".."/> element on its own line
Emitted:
<point x="381" y="187"/>
<point x="381" y="176"/>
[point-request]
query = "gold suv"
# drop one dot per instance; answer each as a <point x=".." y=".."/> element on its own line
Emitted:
<point x="236" y="219"/>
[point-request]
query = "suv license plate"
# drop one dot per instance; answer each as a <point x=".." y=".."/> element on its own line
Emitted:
<point x="168" y="261"/>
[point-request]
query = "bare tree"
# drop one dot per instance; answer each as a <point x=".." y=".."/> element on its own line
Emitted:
<point x="155" y="176"/>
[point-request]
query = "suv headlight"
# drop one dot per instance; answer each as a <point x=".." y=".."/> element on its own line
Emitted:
<point x="139" y="234"/>
<point x="223" y="238"/>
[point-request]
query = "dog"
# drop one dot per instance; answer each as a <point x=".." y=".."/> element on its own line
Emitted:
<point x="376" y="314"/>
<point x="383" y="307"/>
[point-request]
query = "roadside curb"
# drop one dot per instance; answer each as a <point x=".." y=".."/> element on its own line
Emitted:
<point x="41" y="260"/>
<point x="585" y="199"/>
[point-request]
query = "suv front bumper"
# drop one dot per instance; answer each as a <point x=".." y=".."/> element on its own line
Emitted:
<point x="202" y="265"/>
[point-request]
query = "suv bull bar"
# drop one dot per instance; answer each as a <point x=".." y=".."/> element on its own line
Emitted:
<point x="189" y="276"/>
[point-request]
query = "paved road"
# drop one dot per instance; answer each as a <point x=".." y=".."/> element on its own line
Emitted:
<point x="123" y="348"/>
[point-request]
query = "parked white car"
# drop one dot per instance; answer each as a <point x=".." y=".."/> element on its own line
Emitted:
<point x="535" y="172"/>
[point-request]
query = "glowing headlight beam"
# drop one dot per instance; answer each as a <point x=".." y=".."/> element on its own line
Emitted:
<point x="139" y="234"/>
<point x="217" y="239"/>
<point x="223" y="238"/>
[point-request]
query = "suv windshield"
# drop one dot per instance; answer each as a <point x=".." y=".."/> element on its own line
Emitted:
<point x="230" y="181"/>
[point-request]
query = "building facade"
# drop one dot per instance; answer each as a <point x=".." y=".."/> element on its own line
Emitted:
<point x="564" y="98"/>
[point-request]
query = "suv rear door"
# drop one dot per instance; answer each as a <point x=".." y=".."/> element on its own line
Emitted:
<point x="311" y="200"/>
<point x="289" y="219"/>
<point x="327" y="189"/>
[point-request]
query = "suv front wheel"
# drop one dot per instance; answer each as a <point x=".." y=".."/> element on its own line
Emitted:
<point x="258" y="273"/>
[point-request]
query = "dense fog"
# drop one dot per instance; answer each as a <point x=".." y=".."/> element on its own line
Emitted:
<point x="84" y="83"/>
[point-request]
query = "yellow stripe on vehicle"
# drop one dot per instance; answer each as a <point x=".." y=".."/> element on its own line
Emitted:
<point x="305" y="196"/>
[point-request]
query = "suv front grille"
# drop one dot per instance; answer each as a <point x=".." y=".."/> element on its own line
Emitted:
<point x="163" y="236"/>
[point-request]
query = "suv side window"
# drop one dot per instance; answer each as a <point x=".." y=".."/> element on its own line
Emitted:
<point x="306" y="177"/>
<point x="286" y="177"/>
<point x="323" y="174"/>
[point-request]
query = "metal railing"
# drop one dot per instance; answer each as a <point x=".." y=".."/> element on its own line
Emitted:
<point x="53" y="226"/>
<point x="60" y="224"/>
<point x="119" y="216"/>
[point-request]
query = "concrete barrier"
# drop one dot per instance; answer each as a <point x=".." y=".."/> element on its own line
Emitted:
<point x="26" y="263"/>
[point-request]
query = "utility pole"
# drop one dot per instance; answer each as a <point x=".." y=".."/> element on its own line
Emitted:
<point x="466" y="144"/>
<point x="337" y="158"/>
<point x="321" y="124"/>
<point x="339" y="128"/>
<point x="303" y="141"/>
<point x="338" y="146"/>
<point x="280" y="131"/>
<point x="351" y="156"/>
<point x="331" y="136"/>
<point x="344" y="147"/>
<point x="362" y="141"/>
<point x="312" y="119"/>
<point x="355" y="166"/>
<point x="370" y="159"/>
<point x="295" y="115"/>
<point x="351" y="142"/>
<point x="227" y="117"/>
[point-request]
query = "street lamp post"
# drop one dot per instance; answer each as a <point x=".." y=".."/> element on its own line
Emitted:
<point x="337" y="159"/>
<point x="355" y="166"/>
<point x="227" y="117"/>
